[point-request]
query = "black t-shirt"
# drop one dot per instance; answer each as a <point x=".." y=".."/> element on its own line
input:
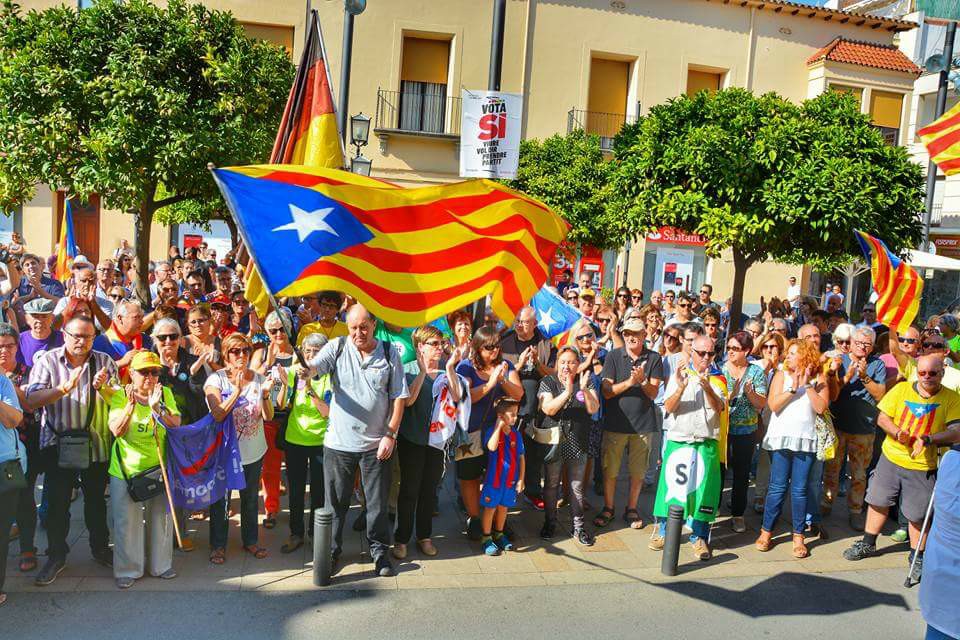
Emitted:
<point x="511" y="346"/>
<point x="575" y="410"/>
<point x="187" y="389"/>
<point x="632" y="411"/>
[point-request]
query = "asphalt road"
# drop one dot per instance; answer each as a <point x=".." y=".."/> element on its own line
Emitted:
<point x="847" y="606"/>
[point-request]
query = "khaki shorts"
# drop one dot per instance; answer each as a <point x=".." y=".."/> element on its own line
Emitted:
<point x="611" y="452"/>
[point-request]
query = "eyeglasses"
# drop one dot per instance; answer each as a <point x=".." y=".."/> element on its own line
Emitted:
<point x="842" y="341"/>
<point x="769" y="346"/>
<point x="928" y="374"/>
<point x="933" y="345"/>
<point x="902" y="340"/>
<point x="735" y="348"/>
<point x="862" y="344"/>
<point x="490" y="347"/>
<point x="434" y="343"/>
<point x="704" y="354"/>
<point x="623" y="295"/>
<point x="584" y="337"/>
<point x="196" y="322"/>
<point x="239" y="351"/>
<point x="683" y="305"/>
<point x="79" y="336"/>
<point x="753" y="332"/>
<point x="602" y="320"/>
<point x="153" y="373"/>
<point x="167" y="337"/>
<point x="671" y="336"/>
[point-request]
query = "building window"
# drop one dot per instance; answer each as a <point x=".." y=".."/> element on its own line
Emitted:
<point x="10" y="221"/>
<point x="84" y="4"/>
<point x="886" y="109"/>
<point x="607" y="99"/>
<point x="277" y="34"/>
<point x="700" y="80"/>
<point x="423" y="85"/>
<point x="856" y="92"/>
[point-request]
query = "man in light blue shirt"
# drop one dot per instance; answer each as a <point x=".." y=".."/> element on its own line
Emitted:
<point x="10" y="449"/>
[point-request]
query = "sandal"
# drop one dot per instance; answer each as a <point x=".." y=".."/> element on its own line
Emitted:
<point x="28" y="561"/>
<point x="800" y="550"/>
<point x="604" y="518"/>
<point x="218" y="556"/>
<point x="292" y="544"/>
<point x="270" y="521"/>
<point x="764" y="541"/>
<point x="257" y="552"/>
<point x="632" y="518"/>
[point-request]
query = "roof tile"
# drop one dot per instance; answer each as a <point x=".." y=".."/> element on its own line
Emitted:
<point x="865" y="54"/>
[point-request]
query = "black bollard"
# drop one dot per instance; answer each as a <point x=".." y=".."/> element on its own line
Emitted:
<point x="322" y="537"/>
<point x="671" y="541"/>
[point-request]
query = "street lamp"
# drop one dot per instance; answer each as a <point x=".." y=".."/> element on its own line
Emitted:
<point x="359" y="137"/>
<point x="351" y="9"/>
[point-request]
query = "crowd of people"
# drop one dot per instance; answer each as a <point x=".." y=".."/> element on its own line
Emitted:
<point x="797" y="400"/>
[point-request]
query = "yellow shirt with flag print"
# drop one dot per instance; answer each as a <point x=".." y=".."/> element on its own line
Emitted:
<point x="918" y="416"/>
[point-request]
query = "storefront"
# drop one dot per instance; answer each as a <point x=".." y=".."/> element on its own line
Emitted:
<point x="673" y="260"/>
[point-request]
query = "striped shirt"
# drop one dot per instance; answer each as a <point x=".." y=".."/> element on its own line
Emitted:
<point x="50" y="370"/>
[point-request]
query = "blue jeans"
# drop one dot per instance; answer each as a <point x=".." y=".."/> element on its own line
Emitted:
<point x="249" y="510"/>
<point x="814" y="488"/>
<point x="788" y="467"/>
<point x="700" y="529"/>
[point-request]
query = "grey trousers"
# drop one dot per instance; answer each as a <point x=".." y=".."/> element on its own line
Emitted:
<point x="339" y="469"/>
<point x="551" y="486"/>
<point x="139" y="529"/>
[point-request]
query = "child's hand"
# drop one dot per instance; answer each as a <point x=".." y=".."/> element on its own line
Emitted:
<point x="520" y="485"/>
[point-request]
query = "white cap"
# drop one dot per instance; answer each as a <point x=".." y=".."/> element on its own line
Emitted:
<point x="82" y="260"/>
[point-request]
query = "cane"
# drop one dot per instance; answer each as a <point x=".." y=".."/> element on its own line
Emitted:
<point x="909" y="583"/>
<point x="166" y="484"/>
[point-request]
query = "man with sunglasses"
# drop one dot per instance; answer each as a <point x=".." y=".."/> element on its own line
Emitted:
<point x="868" y="318"/>
<point x="913" y="344"/>
<point x="572" y="296"/>
<point x="534" y="357"/>
<point x="631" y="378"/>
<point x="863" y="379"/>
<point x="85" y="288"/>
<point x="705" y="302"/>
<point x="684" y="311"/>
<point x="319" y="311"/>
<point x="63" y="383"/>
<point x="911" y="415"/>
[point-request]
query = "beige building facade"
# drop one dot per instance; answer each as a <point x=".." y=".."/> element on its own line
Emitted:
<point x="591" y="64"/>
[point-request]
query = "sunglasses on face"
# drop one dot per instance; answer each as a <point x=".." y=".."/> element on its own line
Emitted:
<point x="684" y="305"/>
<point x="769" y="346"/>
<point x="841" y="341"/>
<point x="933" y="345"/>
<point x="153" y="373"/>
<point x="490" y="347"/>
<point x="735" y="348"/>
<point x="704" y="354"/>
<point x="275" y="331"/>
<point x="573" y="297"/>
<point x="907" y="340"/>
<point x="622" y="295"/>
<point x="239" y="351"/>
<point x="602" y="320"/>
<point x="433" y="343"/>
<point x="671" y="336"/>
<point x="929" y="374"/>
<point x="167" y="337"/>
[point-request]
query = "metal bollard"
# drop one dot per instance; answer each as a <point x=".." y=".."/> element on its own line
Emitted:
<point x="322" y="538"/>
<point x="671" y="541"/>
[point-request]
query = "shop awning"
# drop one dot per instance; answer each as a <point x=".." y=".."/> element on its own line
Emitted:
<point x="923" y="260"/>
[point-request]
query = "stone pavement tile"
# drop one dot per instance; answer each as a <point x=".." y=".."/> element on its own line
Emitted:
<point x="585" y="577"/>
<point x="610" y="540"/>
<point x="149" y="583"/>
<point x="454" y="559"/>
<point x="548" y="561"/>
<point x="507" y="562"/>
<point x="259" y="579"/>
<point x="488" y="580"/>
<point x="609" y="560"/>
<point x="22" y="583"/>
<point x="420" y="581"/>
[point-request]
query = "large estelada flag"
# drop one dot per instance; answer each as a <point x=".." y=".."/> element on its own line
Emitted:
<point x="897" y="284"/>
<point x="203" y="462"/>
<point x="308" y="131"/>
<point x="66" y="246"/>
<point x="942" y="140"/>
<point x="409" y="255"/>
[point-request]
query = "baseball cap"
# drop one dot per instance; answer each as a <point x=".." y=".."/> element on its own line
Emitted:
<point x="145" y="360"/>
<point x="588" y="293"/>
<point x="633" y="325"/>
<point x="39" y="306"/>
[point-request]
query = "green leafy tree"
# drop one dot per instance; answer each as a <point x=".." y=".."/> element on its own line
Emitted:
<point x="767" y="179"/>
<point x="570" y="174"/>
<point x="132" y="101"/>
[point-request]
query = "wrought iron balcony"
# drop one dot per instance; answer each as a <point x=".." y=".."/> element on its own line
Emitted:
<point x="605" y="125"/>
<point x="414" y="113"/>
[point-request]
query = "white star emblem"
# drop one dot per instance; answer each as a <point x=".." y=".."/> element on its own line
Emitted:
<point x="546" y="320"/>
<point x="306" y="222"/>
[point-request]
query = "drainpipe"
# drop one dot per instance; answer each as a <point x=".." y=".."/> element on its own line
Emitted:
<point x="751" y="46"/>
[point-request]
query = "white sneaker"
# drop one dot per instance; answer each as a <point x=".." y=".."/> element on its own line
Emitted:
<point x="738" y="524"/>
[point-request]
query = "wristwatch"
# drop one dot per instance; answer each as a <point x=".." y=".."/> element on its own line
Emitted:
<point x="927" y="439"/>
<point x="391" y="434"/>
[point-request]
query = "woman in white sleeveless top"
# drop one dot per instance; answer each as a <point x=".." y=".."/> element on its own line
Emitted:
<point x="797" y="395"/>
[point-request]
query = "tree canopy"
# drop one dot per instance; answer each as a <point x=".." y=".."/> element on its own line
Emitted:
<point x="766" y="178"/>
<point x="570" y="174"/>
<point x="132" y="101"/>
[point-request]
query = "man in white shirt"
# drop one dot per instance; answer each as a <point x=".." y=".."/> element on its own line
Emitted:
<point x="793" y="292"/>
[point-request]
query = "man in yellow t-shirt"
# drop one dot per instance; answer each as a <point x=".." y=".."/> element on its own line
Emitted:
<point x="910" y="411"/>
<point x="905" y="349"/>
<point x="323" y="308"/>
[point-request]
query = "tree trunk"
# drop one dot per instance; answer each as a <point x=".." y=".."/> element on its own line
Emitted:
<point x="142" y="219"/>
<point x="234" y="233"/>
<point x="741" y="264"/>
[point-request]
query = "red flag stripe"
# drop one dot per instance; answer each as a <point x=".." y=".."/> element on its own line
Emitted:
<point x="939" y="145"/>
<point x="902" y="308"/>
<point x="936" y="127"/>
<point x="949" y="165"/>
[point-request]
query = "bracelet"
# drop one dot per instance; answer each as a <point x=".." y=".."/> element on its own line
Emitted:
<point x="927" y="439"/>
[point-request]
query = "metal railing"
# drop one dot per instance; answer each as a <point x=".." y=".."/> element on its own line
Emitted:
<point x="936" y="215"/>
<point x="891" y="135"/>
<point x="417" y="113"/>
<point x="605" y="125"/>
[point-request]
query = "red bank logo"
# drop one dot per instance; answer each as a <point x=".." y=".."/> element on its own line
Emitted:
<point x="493" y="122"/>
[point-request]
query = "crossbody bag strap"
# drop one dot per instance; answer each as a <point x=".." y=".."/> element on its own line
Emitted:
<point x="93" y="395"/>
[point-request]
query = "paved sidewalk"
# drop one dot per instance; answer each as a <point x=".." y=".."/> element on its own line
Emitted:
<point x="619" y="556"/>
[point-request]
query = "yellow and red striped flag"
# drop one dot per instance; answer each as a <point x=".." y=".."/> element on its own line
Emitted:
<point x="307" y="135"/>
<point x="409" y="255"/>
<point x="942" y="140"/>
<point x="66" y="246"/>
<point x="897" y="284"/>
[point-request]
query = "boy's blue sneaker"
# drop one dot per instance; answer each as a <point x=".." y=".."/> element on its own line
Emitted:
<point x="490" y="547"/>
<point x="503" y="542"/>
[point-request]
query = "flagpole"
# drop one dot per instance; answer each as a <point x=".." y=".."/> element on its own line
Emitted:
<point x="166" y="484"/>
<point x="940" y="108"/>
<point x="287" y="328"/>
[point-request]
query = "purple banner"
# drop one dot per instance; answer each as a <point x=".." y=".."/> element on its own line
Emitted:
<point x="203" y="462"/>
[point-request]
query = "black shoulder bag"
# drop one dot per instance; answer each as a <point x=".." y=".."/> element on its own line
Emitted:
<point x="74" y="446"/>
<point x="11" y="473"/>
<point x="146" y="484"/>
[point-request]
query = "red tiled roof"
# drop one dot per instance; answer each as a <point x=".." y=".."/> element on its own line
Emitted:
<point x="865" y="54"/>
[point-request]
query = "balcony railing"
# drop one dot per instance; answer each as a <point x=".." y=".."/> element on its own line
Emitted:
<point x="605" y="125"/>
<point x="936" y="215"/>
<point x="428" y="114"/>
<point x="891" y="135"/>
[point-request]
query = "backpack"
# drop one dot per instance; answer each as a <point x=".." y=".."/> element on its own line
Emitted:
<point x="387" y="352"/>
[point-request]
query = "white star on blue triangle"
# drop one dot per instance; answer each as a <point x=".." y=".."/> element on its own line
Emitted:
<point x="554" y="315"/>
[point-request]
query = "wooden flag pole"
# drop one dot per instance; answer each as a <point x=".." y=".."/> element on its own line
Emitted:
<point x="166" y="487"/>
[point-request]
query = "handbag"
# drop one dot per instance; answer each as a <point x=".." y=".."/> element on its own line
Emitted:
<point x="468" y="446"/>
<point x="144" y="485"/>
<point x="826" y="437"/>
<point x="75" y="446"/>
<point x="12" y="477"/>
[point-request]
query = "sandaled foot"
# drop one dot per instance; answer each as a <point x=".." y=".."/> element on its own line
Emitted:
<point x="632" y="518"/>
<point x="604" y="518"/>
<point x="800" y="550"/>
<point x="256" y="551"/>
<point x="218" y="556"/>
<point x="764" y="542"/>
<point x="28" y="561"/>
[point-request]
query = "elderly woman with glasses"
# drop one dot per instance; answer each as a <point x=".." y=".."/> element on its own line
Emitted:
<point x="244" y="394"/>
<point x="490" y="377"/>
<point x="842" y="337"/>
<point x="140" y="413"/>
<point x="747" y="396"/>
<point x="272" y="363"/>
<point x="202" y="341"/>
<point x="569" y="399"/>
